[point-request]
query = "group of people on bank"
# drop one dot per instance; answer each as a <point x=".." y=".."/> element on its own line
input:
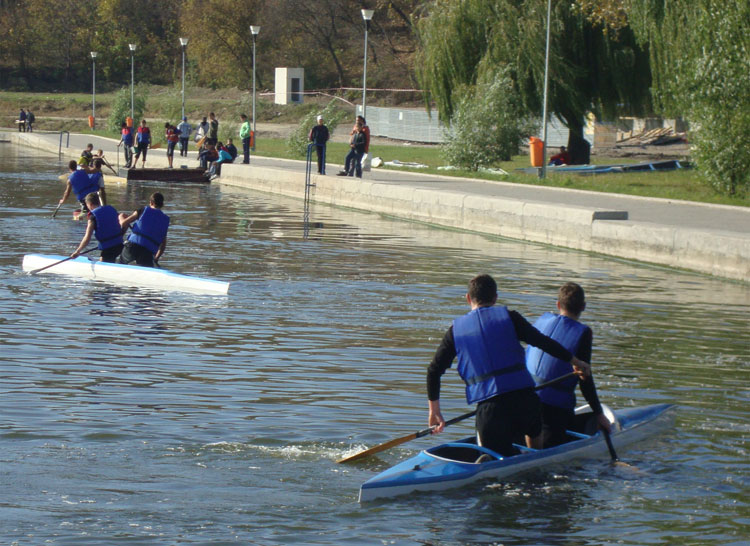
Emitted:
<point x="25" y="121"/>
<point x="359" y="146"/>
<point x="500" y="375"/>
<point x="148" y="238"/>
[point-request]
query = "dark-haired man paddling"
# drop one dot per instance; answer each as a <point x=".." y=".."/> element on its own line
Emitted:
<point x="492" y="363"/>
<point x="149" y="238"/>
<point x="104" y="224"/>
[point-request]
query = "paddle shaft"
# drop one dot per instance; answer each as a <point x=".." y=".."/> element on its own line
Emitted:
<point x="56" y="209"/>
<point x="61" y="261"/>
<point x="610" y="446"/>
<point x="429" y="430"/>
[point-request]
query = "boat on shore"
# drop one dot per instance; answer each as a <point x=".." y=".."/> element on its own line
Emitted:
<point x="453" y="465"/>
<point x="131" y="275"/>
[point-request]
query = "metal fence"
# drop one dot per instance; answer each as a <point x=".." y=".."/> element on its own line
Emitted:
<point x="416" y="125"/>
<point x="411" y="124"/>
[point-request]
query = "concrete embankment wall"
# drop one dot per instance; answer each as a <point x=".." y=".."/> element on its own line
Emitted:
<point x="607" y="232"/>
<point x="723" y="253"/>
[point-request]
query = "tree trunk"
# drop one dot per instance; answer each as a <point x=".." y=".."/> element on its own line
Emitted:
<point x="578" y="147"/>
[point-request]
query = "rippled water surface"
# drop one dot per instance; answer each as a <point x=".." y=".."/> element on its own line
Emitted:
<point x="145" y="417"/>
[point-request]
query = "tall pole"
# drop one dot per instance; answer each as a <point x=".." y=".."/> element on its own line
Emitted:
<point x="543" y="172"/>
<point x="183" y="43"/>
<point x="366" y="15"/>
<point x="132" y="81"/>
<point x="93" y="88"/>
<point x="254" y="29"/>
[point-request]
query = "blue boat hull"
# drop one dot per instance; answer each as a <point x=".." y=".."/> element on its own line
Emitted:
<point x="453" y="465"/>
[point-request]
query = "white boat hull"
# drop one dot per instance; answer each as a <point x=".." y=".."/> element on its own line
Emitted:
<point x="131" y="275"/>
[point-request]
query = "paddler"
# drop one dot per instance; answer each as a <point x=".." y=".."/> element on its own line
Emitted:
<point x="104" y="223"/>
<point x="96" y="176"/>
<point x="149" y="238"/>
<point x="86" y="155"/>
<point x="559" y="400"/>
<point x="491" y="362"/>
<point x="80" y="183"/>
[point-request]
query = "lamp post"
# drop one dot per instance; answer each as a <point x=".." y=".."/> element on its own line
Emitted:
<point x="254" y="30"/>
<point x="367" y="16"/>
<point x="543" y="172"/>
<point x="183" y="43"/>
<point x="132" y="78"/>
<point x="93" y="89"/>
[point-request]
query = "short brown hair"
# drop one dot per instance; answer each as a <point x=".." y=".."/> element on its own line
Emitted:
<point x="572" y="298"/>
<point x="482" y="289"/>
<point x="157" y="199"/>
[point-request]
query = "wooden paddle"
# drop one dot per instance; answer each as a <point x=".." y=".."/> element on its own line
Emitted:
<point x="61" y="261"/>
<point x="56" y="209"/>
<point x="426" y="431"/>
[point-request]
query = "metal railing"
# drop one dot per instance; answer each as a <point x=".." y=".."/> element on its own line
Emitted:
<point x="67" y="143"/>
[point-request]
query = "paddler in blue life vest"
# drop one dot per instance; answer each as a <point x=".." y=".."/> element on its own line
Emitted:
<point x="97" y="177"/>
<point x="492" y="363"/>
<point x="80" y="183"/>
<point x="559" y="400"/>
<point x="147" y="242"/>
<point x="103" y="223"/>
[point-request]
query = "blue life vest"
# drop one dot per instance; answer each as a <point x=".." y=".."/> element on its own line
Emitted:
<point x="143" y="135"/>
<point x="127" y="136"/>
<point x="543" y="367"/>
<point x="96" y="178"/>
<point x="108" y="231"/>
<point x="82" y="184"/>
<point x="150" y="229"/>
<point x="490" y="357"/>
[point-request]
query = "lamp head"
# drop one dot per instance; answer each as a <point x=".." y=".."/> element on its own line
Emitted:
<point x="255" y="30"/>
<point x="367" y="14"/>
<point x="93" y="54"/>
<point x="132" y="47"/>
<point x="184" y="42"/>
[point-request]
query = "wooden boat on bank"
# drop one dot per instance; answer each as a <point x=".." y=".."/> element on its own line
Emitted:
<point x="454" y="464"/>
<point x="131" y="275"/>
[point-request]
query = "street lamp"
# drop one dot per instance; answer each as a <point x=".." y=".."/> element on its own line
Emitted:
<point x="93" y="89"/>
<point x="254" y="30"/>
<point x="132" y="77"/>
<point x="543" y="172"/>
<point x="183" y="43"/>
<point x="366" y="15"/>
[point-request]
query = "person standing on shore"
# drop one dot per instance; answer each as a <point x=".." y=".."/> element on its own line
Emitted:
<point x="319" y="135"/>
<point x="185" y="129"/>
<point x="172" y="138"/>
<point x="245" y="133"/>
<point x="21" y="121"/>
<point x="143" y="141"/>
<point x="30" y="119"/>
<point x="126" y="139"/>
<point x="213" y="129"/>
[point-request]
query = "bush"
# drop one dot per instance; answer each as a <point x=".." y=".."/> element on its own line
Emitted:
<point x="488" y="124"/>
<point x="297" y="142"/>
<point x="121" y="108"/>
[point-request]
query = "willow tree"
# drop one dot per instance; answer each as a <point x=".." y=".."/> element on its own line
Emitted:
<point x="592" y="67"/>
<point x="700" y="58"/>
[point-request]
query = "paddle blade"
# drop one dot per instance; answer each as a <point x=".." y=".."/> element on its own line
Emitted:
<point x="379" y="448"/>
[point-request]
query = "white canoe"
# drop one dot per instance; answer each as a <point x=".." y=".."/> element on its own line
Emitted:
<point x="131" y="275"/>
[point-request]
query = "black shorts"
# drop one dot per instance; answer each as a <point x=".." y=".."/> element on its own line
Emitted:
<point x="110" y="254"/>
<point x="507" y="417"/>
<point x="556" y="422"/>
<point x="132" y="252"/>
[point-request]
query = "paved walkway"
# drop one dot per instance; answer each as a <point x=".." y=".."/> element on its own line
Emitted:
<point x="690" y="235"/>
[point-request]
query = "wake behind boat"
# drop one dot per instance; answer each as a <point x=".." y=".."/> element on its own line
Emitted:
<point x="454" y="465"/>
<point x="131" y="275"/>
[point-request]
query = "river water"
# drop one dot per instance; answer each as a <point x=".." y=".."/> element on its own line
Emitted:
<point x="142" y="417"/>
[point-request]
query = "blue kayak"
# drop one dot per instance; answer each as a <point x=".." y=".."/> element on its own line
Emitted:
<point x="454" y="464"/>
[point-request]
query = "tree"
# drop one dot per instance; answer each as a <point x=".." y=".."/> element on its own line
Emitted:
<point x="488" y="125"/>
<point x="590" y="69"/>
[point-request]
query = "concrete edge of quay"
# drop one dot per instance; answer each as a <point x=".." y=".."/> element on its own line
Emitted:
<point x="608" y="232"/>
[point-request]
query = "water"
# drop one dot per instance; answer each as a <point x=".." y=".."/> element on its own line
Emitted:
<point x="145" y="417"/>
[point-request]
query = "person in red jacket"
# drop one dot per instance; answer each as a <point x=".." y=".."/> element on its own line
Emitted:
<point x="563" y="158"/>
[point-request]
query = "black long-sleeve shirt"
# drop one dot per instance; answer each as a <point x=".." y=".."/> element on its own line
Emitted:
<point x="588" y="389"/>
<point x="446" y="351"/>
